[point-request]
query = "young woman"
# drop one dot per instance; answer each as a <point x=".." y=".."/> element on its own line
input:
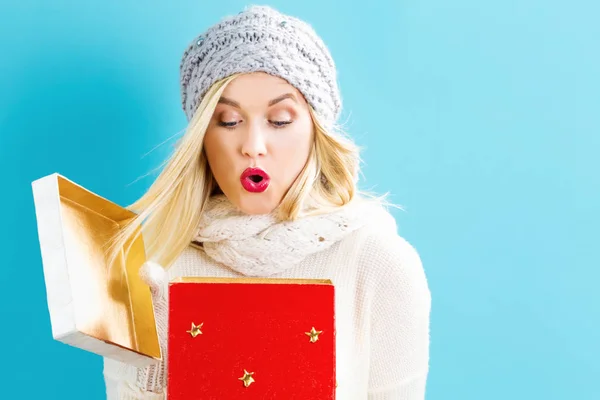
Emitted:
<point x="263" y="184"/>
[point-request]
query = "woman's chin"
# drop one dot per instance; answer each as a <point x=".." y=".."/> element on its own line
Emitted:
<point x="257" y="203"/>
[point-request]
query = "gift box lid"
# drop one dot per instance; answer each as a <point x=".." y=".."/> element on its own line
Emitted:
<point x="251" y="338"/>
<point x="105" y="311"/>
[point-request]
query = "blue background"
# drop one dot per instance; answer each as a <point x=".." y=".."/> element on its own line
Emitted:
<point x="481" y="118"/>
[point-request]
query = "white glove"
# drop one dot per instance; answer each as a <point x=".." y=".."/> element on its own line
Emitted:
<point x="154" y="378"/>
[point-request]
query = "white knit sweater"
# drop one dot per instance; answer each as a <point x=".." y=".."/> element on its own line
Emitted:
<point x="382" y="316"/>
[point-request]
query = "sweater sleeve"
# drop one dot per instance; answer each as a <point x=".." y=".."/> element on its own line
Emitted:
<point x="400" y="311"/>
<point x="127" y="382"/>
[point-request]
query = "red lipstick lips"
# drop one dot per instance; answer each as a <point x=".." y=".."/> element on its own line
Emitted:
<point x="255" y="180"/>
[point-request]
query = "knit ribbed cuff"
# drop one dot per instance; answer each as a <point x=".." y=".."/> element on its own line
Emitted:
<point x="128" y="392"/>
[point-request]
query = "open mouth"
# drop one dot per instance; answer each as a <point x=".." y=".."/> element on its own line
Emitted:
<point x="254" y="180"/>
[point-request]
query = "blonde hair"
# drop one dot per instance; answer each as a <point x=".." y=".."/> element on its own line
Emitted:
<point x="171" y="208"/>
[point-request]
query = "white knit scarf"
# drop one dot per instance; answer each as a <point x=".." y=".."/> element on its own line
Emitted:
<point x="261" y="245"/>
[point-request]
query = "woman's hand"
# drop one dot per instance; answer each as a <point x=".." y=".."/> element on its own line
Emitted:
<point x="154" y="377"/>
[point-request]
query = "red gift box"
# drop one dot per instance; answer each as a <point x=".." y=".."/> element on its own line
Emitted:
<point x="251" y="339"/>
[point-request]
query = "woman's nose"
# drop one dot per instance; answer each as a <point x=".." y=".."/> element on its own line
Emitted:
<point x="254" y="144"/>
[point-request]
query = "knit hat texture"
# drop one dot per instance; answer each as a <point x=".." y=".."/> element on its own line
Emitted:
<point x="261" y="39"/>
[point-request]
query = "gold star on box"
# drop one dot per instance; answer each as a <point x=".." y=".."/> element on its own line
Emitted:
<point x="195" y="331"/>
<point x="313" y="334"/>
<point x="247" y="378"/>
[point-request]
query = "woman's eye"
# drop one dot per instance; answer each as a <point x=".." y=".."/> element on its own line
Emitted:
<point x="228" y="124"/>
<point x="280" y="124"/>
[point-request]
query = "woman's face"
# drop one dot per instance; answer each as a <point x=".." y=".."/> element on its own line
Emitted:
<point x="258" y="141"/>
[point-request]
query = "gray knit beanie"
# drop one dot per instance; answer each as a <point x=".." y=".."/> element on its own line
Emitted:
<point x="262" y="39"/>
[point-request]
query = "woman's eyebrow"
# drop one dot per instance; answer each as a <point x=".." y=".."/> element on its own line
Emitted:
<point x="230" y="102"/>
<point x="283" y="97"/>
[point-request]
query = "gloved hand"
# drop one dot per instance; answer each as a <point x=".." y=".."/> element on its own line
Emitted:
<point x="154" y="378"/>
